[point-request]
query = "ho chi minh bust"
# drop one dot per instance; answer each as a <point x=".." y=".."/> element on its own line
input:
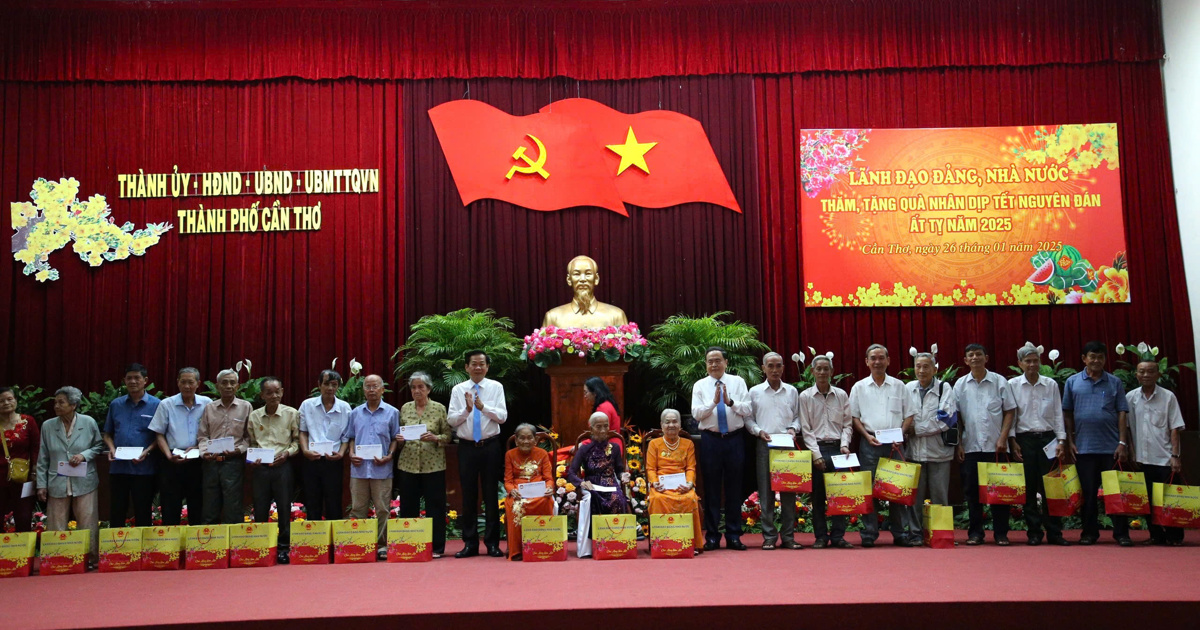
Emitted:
<point x="584" y="311"/>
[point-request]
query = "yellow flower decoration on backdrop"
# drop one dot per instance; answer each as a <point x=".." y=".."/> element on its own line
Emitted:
<point x="56" y="217"/>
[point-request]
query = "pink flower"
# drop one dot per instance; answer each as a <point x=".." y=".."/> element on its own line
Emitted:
<point x="850" y="137"/>
<point x="1074" y="297"/>
<point x="840" y="151"/>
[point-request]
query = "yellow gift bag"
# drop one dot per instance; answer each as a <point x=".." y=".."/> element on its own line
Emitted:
<point x="614" y="536"/>
<point x="410" y="540"/>
<point x="791" y="470"/>
<point x="16" y="554"/>
<point x="1124" y="493"/>
<point x="162" y="548"/>
<point x="354" y="540"/>
<point x="896" y="480"/>
<point x="672" y="536"/>
<point x="938" y="526"/>
<point x="1174" y="505"/>
<point x="206" y="547"/>
<point x="1064" y="494"/>
<point x="253" y="544"/>
<point x="543" y="538"/>
<point x="1001" y="483"/>
<point x="120" y="549"/>
<point x="309" y="542"/>
<point x="848" y="492"/>
<point x="65" y="552"/>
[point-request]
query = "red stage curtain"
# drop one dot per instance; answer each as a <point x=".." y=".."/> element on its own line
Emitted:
<point x="1129" y="94"/>
<point x="692" y="258"/>
<point x="549" y="38"/>
<point x="288" y="301"/>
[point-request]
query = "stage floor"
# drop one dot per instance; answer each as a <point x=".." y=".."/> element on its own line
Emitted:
<point x="987" y="586"/>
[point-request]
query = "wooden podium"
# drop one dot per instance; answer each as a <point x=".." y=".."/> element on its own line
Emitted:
<point x="569" y="410"/>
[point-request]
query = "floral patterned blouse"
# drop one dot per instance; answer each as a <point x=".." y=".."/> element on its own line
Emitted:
<point x="23" y="441"/>
<point x="424" y="457"/>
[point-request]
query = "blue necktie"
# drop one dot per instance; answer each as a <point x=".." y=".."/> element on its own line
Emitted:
<point x="722" y="423"/>
<point x="476" y="420"/>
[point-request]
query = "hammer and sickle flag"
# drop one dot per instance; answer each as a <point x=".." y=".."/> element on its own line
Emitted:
<point x="480" y="141"/>
<point x="586" y="154"/>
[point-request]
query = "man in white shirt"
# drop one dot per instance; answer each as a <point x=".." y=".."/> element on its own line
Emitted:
<point x="1039" y="421"/>
<point x="985" y="408"/>
<point x="1155" y="423"/>
<point x="477" y="409"/>
<point x="826" y="425"/>
<point x="323" y="420"/>
<point x="721" y="404"/>
<point x="775" y="411"/>
<point x="880" y="402"/>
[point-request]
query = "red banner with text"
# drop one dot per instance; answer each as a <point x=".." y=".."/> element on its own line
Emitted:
<point x="964" y="216"/>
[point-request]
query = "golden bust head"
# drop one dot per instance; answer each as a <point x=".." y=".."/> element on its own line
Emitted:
<point x="584" y="310"/>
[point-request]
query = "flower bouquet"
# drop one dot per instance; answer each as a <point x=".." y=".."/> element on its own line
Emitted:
<point x="546" y="346"/>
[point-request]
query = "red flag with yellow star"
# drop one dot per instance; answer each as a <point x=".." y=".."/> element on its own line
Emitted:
<point x="658" y="158"/>
<point x="577" y="152"/>
<point x="541" y="162"/>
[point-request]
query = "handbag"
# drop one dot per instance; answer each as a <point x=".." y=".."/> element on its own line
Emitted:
<point x="18" y="467"/>
<point x="951" y="437"/>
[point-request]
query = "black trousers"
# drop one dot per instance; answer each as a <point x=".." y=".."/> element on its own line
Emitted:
<point x="121" y="488"/>
<point x="1037" y="465"/>
<point x="1160" y="474"/>
<point x="823" y="532"/>
<point x="323" y="489"/>
<point x="274" y="483"/>
<point x="1090" y="466"/>
<point x="721" y="461"/>
<point x="480" y="465"/>
<point x="970" y="484"/>
<point x="431" y="487"/>
<point x="177" y="483"/>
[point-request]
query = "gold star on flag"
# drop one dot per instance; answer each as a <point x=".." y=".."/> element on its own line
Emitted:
<point x="633" y="153"/>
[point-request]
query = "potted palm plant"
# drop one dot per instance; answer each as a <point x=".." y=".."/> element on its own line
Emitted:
<point x="674" y="361"/>
<point x="437" y="344"/>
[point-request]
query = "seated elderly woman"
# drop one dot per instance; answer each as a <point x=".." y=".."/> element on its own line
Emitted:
<point x="526" y="464"/>
<point x="673" y="455"/>
<point x="598" y="469"/>
<point x="75" y="439"/>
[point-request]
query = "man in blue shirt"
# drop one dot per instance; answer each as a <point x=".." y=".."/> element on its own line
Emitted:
<point x="372" y="424"/>
<point x="1094" y="412"/>
<point x="127" y="426"/>
<point x="176" y="423"/>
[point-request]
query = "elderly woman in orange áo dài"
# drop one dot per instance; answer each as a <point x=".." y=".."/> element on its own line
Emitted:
<point x="525" y="464"/>
<point x="667" y="455"/>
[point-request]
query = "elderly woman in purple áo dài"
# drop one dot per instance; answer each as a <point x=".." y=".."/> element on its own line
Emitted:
<point x="597" y="464"/>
